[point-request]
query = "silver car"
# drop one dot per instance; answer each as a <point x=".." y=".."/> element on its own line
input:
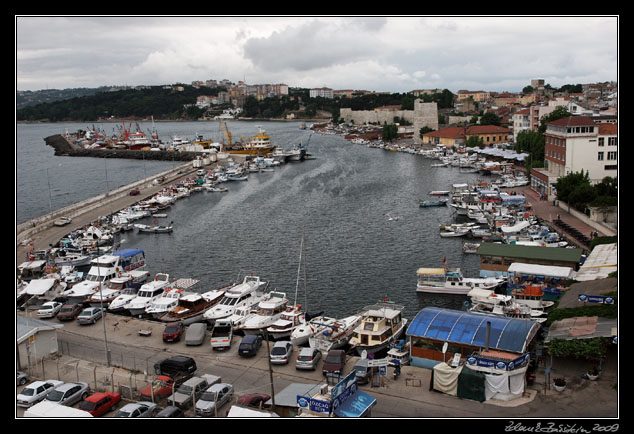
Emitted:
<point x="90" y="315"/>
<point x="36" y="391"/>
<point x="69" y="393"/>
<point x="137" y="409"/>
<point x="49" y="309"/>
<point x="281" y="352"/>
<point x="213" y="398"/>
<point x="308" y="358"/>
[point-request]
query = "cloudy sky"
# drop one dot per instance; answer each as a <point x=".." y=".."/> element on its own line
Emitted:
<point x="395" y="54"/>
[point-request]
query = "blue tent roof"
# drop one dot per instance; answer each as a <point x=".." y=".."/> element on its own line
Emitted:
<point x="457" y="327"/>
<point x="357" y="405"/>
<point x="126" y="253"/>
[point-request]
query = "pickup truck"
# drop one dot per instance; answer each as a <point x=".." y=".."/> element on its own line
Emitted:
<point x="221" y="335"/>
<point x="188" y="392"/>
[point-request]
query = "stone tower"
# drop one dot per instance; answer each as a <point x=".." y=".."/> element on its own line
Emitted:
<point x="425" y="115"/>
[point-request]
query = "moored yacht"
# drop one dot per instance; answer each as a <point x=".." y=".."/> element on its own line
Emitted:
<point x="268" y="311"/>
<point x="447" y="281"/>
<point x="332" y="335"/>
<point x="247" y="293"/>
<point x="147" y="293"/>
<point x="380" y="324"/>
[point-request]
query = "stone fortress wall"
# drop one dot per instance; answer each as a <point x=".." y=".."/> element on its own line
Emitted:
<point x="424" y="114"/>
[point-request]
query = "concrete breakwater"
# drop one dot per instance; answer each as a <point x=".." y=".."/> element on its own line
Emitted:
<point x="64" y="147"/>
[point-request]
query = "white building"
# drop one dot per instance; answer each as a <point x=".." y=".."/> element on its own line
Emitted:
<point x="323" y="92"/>
<point x="577" y="143"/>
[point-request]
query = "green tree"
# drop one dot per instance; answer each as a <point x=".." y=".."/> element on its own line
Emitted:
<point x="559" y="113"/>
<point x="474" y="141"/>
<point x="390" y="132"/>
<point x="490" y="118"/>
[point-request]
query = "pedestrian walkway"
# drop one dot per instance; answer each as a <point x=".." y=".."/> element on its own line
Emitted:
<point x="549" y="213"/>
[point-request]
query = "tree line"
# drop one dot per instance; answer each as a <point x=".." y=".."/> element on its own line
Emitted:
<point x="168" y="104"/>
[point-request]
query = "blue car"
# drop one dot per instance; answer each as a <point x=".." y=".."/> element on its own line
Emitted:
<point x="250" y="345"/>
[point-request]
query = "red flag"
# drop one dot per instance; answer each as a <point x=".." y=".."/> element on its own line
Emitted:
<point x="444" y="259"/>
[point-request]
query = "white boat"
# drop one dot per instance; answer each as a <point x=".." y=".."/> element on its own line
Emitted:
<point x="301" y="333"/>
<point x="247" y="293"/>
<point x="490" y="303"/>
<point x="120" y="303"/>
<point x="39" y="291"/>
<point x="134" y="279"/>
<point x="335" y="335"/>
<point x="450" y="233"/>
<point x="268" y="311"/>
<point x="148" y="292"/>
<point x="155" y="228"/>
<point x="288" y="321"/>
<point x="380" y="324"/>
<point x="165" y="302"/>
<point x="192" y="306"/>
<point x="239" y="316"/>
<point x="446" y="281"/>
<point x="532" y="296"/>
<point x="75" y="259"/>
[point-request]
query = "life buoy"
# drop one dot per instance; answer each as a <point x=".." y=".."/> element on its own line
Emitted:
<point x="517" y="310"/>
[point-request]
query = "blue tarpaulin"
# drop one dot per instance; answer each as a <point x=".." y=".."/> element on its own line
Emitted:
<point x="454" y="326"/>
<point x="357" y="405"/>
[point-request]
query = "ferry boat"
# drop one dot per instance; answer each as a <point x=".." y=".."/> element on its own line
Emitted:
<point x="380" y="324"/>
<point x="446" y="281"/>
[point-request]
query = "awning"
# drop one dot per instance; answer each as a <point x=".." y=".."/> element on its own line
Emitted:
<point x="357" y="405"/>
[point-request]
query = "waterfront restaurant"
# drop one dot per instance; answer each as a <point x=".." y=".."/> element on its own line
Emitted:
<point x="468" y="334"/>
<point x="495" y="259"/>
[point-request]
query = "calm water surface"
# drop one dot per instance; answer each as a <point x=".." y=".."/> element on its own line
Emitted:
<point x="345" y="201"/>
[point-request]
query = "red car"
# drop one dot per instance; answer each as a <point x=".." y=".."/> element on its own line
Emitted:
<point x="255" y="400"/>
<point x="173" y="331"/>
<point x="134" y="192"/>
<point x="160" y="388"/>
<point x="100" y="403"/>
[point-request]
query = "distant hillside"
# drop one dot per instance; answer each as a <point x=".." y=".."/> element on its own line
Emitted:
<point x="161" y="102"/>
<point x="25" y="98"/>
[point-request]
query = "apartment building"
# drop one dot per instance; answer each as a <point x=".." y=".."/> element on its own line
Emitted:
<point x="574" y="144"/>
<point x="323" y="92"/>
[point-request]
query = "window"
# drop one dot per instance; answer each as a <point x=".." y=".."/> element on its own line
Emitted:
<point x="601" y="141"/>
<point x="612" y="155"/>
<point x="600" y="156"/>
<point x="612" y="141"/>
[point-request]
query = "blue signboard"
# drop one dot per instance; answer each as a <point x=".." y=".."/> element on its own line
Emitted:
<point x="596" y="299"/>
<point x="498" y="364"/>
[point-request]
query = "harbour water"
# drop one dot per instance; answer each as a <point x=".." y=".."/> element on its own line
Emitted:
<point x="365" y="234"/>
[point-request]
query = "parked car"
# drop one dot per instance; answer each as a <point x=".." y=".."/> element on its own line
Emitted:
<point x="281" y="352"/>
<point x="334" y="362"/>
<point x="308" y="358"/>
<point x="100" y="403"/>
<point x="213" y="398"/>
<point x="69" y="393"/>
<point x="36" y="391"/>
<point x="255" y="400"/>
<point x="69" y="311"/>
<point x="62" y="221"/>
<point x="188" y="391"/>
<point x="170" y="411"/>
<point x="363" y="371"/>
<point x="90" y="315"/>
<point x="250" y="345"/>
<point x="173" y="331"/>
<point x="195" y="334"/>
<point x="175" y="366"/>
<point x="135" y="192"/>
<point x="137" y="409"/>
<point x="49" y="309"/>
<point x="21" y="378"/>
<point x="161" y="387"/>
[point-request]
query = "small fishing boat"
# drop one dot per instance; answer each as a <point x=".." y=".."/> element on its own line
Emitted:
<point x="155" y="228"/>
<point x="426" y="203"/>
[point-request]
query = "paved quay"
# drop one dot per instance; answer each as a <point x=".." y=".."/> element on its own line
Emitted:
<point x="408" y="396"/>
